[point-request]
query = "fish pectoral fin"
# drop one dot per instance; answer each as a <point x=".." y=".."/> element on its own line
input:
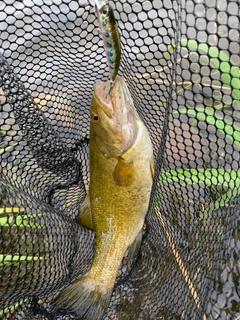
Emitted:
<point x="84" y="298"/>
<point x="124" y="173"/>
<point x="133" y="249"/>
<point x="84" y="217"/>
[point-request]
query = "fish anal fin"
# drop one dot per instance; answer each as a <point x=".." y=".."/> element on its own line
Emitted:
<point x="84" y="217"/>
<point x="84" y="298"/>
<point x="133" y="249"/>
<point x="124" y="173"/>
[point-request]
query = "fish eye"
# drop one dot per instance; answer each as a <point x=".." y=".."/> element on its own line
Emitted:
<point x="94" y="117"/>
<point x="105" y="9"/>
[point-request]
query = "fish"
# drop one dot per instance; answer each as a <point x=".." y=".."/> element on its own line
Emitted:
<point x="121" y="177"/>
<point x="111" y="40"/>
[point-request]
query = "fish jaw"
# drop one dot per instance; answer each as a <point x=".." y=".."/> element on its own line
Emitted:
<point x="116" y="130"/>
<point x="102" y="97"/>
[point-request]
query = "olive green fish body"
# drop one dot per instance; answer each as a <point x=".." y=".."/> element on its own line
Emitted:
<point x="118" y="209"/>
<point x="121" y="175"/>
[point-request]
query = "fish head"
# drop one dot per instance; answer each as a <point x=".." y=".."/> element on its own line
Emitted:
<point x="104" y="13"/>
<point x="113" y="118"/>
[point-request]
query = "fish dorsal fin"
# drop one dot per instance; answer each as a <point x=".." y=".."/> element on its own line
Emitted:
<point x="124" y="173"/>
<point x="84" y="217"/>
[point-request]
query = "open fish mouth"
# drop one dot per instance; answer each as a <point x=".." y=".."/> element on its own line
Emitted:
<point x="115" y="132"/>
<point x="120" y="94"/>
<point x="110" y="95"/>
<point x="102" y="94"/>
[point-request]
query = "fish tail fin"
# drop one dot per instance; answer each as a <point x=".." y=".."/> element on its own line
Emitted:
<point x="85" y="298"/>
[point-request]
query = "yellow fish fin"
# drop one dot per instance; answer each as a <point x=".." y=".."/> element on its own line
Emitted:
<point x="84" y="217"/>
<point x="86" y="298"/>
<point x="152" y="166"/>
<point x="124" y="173"/>
<point x="133" y="249"/>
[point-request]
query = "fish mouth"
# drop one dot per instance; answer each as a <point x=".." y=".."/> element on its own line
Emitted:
<point x="121" y="97"/>
<point x="102" y="95"/>
<point x="125" y="111"/>
<point x="112" y="95"/>
<point x="119" y="90"/>
<point x="116" y="131"/>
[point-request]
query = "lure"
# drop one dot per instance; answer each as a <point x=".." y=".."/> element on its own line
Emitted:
<point x="110" y="35"/>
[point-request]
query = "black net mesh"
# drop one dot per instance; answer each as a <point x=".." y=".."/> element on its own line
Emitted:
<point x="181" y="62"/>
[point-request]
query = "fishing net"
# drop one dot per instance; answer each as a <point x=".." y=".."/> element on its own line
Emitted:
<point x="181" y="62"/>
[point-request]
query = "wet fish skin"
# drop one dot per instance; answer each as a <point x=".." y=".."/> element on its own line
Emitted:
<point x="121" y="175"/>
<point x="110" y="35"/>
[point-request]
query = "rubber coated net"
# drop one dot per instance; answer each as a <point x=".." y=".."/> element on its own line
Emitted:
<point x="181" y="62"/>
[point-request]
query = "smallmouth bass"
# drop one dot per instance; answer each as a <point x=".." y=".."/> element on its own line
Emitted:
<point x="121" y="176"/>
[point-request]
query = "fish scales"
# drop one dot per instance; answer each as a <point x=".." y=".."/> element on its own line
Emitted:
<point x="121" y="176"/>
